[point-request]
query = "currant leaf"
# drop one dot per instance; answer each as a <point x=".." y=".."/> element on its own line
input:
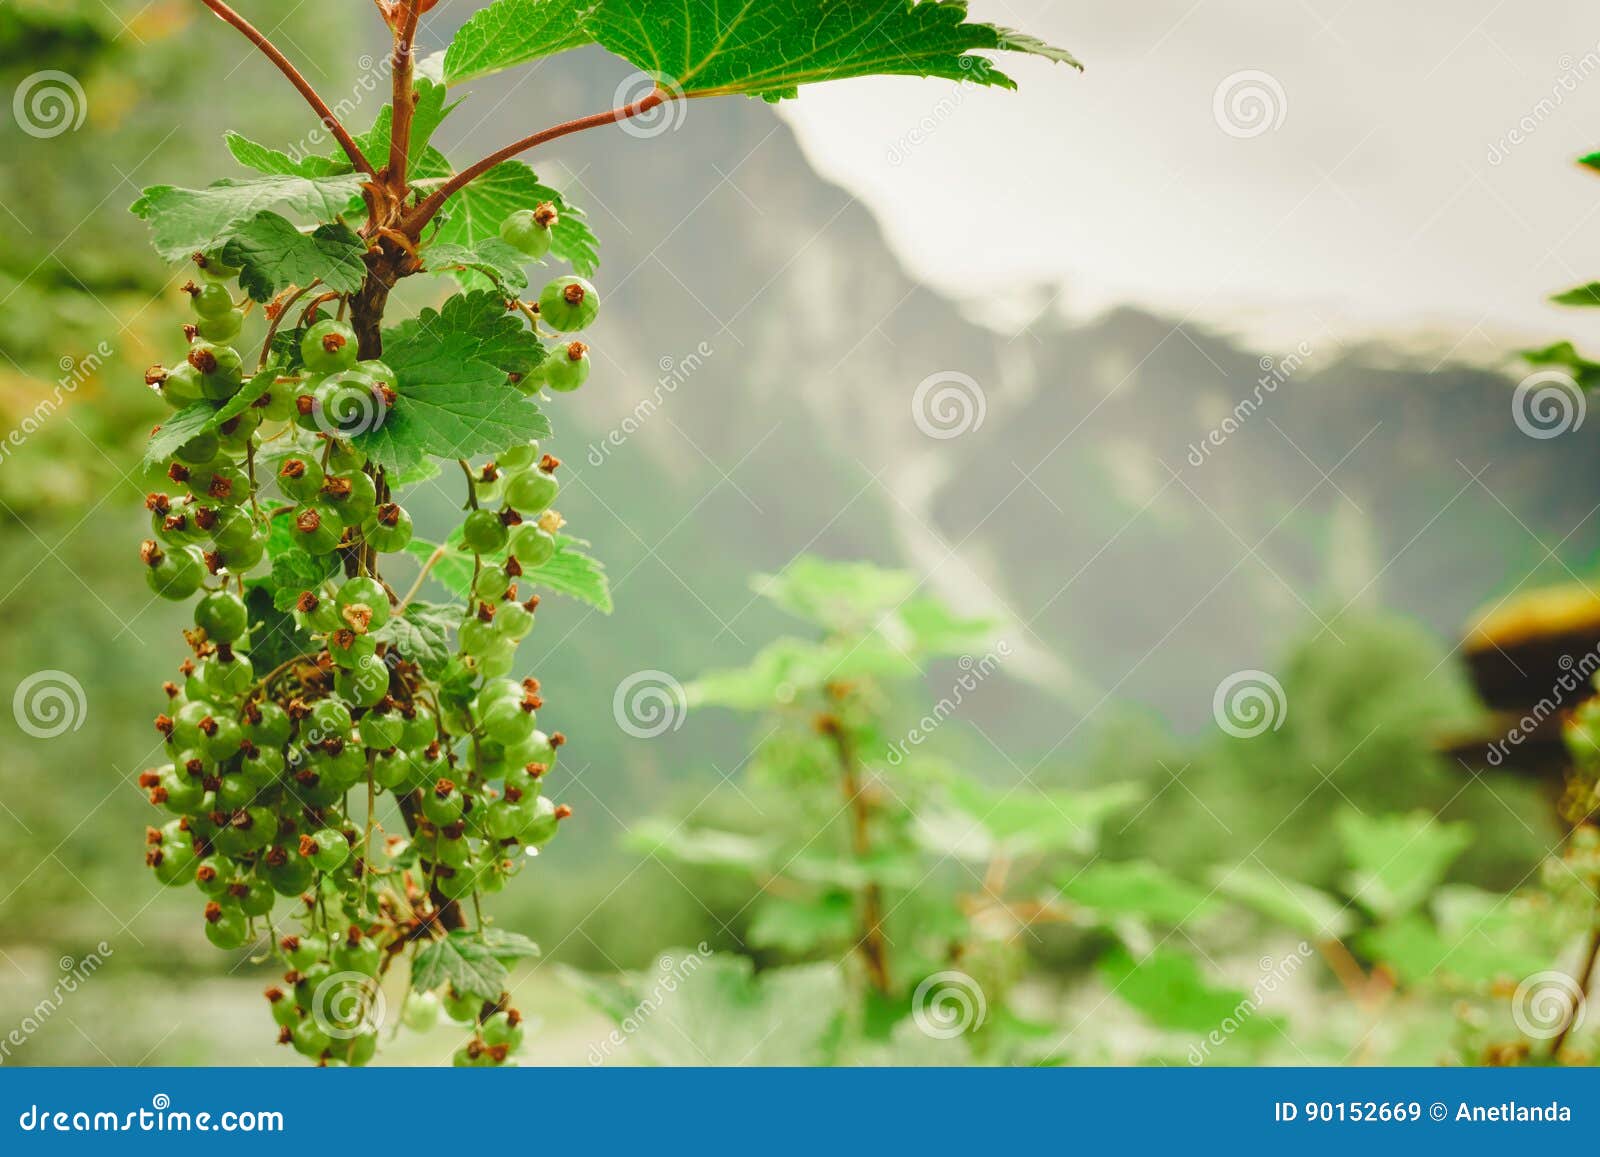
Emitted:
<point x="422" y="635"/>
<point x="512" y="32"/>
<point x="177" y="429"/>
<point x="491" y="257"/>
<point x="277" y="163"/>
<point x="274" y="254"/>
<point x="186" y="221"/>
<point x="462" y="961"/>
<point x="769" y="48"/>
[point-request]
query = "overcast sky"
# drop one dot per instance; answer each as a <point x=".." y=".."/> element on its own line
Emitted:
<point x="1413" y="168"/>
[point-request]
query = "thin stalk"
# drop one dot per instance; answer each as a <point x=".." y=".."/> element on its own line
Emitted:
<point x="404" y="100"/>
<point x="873" y="945"/>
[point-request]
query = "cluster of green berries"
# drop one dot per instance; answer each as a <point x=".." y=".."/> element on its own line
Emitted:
<point x="566" y="304"/>
<point x="266" y="770"/>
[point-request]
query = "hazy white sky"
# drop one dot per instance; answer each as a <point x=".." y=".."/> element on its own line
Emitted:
<point x="1415" y="167"/>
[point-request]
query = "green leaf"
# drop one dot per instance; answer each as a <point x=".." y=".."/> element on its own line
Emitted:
<point x="277" y="163"/>
<point x="476" y="212"/>
<point x="716" y="1010"/>
<point x="508" y="945"/>
<point x="769" y="48"/>
<point x="453" y="570"/>
<point x="1026" y="821"/>
<point x="1166" y="986"/>
<point x="178" y="428"/>
<point x="1136" y="888"/>
<point x="574" y="574"/>
<point x="937" y="630"/>
<point x="462" y="960"/>
<point x="274" y="254"/>
<point x="512" y="32"/>
<point x="801" y="927"/>
<point x="454" y="397"/>
<point x="422" y="635"/>
<point x="1582" y="295"/>
<point x="492" y="257"/>
<point x="186" y="221"/>
<point x="1397" y="860"/>
<point x="1299" y="907"/>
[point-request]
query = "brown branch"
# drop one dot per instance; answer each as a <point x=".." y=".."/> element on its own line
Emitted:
<point x="424" y="212"/>
<point x="318" y="105"/>
<point x="1573" y="1016"/>
<point x="404" y="100"/>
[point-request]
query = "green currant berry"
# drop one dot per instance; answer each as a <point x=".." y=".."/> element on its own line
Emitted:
<point x="173" y="574"/>
<point x="493" y="582"/>
<point x="220" y="738"/>
<point x="532" y="492"/>
<point x="211" y="876"/>
<point x="542" y="828"/>
<point x="391" y="769"/>
<point x="568" y="369"/>
<point x="182" y="386"/>
<point x="266" y="725"/>
<point x="300" y="478"/>
<point x="329" y="719"/>
<point x="421" y="727"/>
<point x="327" y="849"/>
<point x="513" y="620"/>
<point x="212" y="300"/>
<point x="258" y="898"/>
<point x="357" y="953"/>
<point x="483" y="532"/>
<point x="568" y="304"/>
<point x="532" y="545"/>
<point x="285" y="1013"/>
<point x="509" y="721"/>
<point x="365" y="684"/>
<point x="303" y="951"/>
<point x="442" y="803"/>
<point x="518" y="457"/>
<point x="222" y="616"/>
<point x="226" y="926"/>
<point x="349" y="649"/>
<point x="316" y="529"/>
<point x="382" y="729"/>
<point x="317" y="614"/>
<point x="222" y="328"/>
<point x="503" y="1028"/>
<point x="198" y="451"/>
<point x="221" y="369"/>
<point x="388" y="529"/>
<point x="310" y="1039"/>
<point x="420" y="1013"/>
<point x="347" y="404"/>
<point x="528" y="230"/>
<point x="328" y="347"/>
<point x="363" y="603"/>
<point x="477" y="637"/>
